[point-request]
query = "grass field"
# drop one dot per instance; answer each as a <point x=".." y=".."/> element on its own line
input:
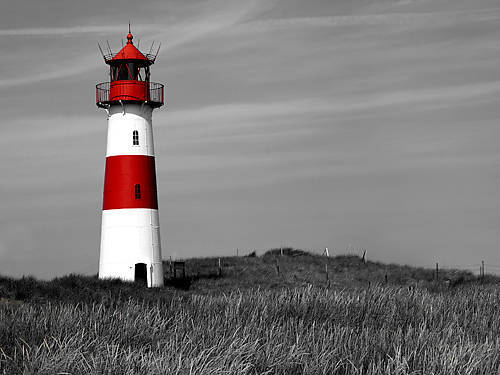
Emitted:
<point x="254" y="320"/>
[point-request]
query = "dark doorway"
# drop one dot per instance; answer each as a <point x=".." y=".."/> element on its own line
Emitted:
<point x="141" y="273"/>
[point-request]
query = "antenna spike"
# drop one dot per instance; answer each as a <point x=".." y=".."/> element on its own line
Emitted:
<point x="129" y="26"/>
<point x="100" y="49"/>
<point x="150" y="49"/>
<point x="109" y="48"/>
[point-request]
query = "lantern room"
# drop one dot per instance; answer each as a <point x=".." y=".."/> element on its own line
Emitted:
<point x="129" y="72"/>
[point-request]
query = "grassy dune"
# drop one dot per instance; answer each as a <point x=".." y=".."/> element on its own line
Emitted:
<point x="291" y="323"/>
<point x="298" y="268"/>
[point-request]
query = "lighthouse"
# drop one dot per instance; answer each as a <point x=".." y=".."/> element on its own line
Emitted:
<point x="130" y="234"/>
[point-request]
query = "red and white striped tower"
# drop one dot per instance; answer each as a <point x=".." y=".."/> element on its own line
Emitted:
<point x="130" y="237"/>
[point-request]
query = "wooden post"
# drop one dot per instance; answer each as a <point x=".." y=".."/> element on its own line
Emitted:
<point x="277" y="267"/>
<point x="237" y="252"/>
<point x="437" y="271"/>
<point x="326" y="272"/>
<point x="364" y="256"/>
<point x="482" y="270"/>
<point x="220" y="268"/>
<point x="385" y="278"/>
<point x="281" y="251"/>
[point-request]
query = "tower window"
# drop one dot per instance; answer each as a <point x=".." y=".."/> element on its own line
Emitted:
<point x="137" y="191"/>
<point x="135" y="138"/>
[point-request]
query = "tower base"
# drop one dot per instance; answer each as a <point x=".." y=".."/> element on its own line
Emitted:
<point x="130" y="246"/>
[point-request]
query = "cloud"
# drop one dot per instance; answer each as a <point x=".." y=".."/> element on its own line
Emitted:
<point x="233" y="114"/>
<point x="73" y="67"/>
<point x="435" y="19"/>
<point x="219" y="16"/>
<point x="215" y="19"/>
<point x="63" y="31"/>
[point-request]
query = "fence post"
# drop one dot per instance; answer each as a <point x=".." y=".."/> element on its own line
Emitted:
<point x="281" y="251"/>
<point x="277" y="267"/>
<point x="437" y="271"/>
<point x="385" y="278"/>
<point x="220" y="268"/>
<point x="364" y="256"/>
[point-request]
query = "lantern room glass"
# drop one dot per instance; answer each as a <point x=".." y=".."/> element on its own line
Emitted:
<point x="129" y="72"/>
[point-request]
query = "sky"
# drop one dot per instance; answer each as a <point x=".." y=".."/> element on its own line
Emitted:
<point x="347" y="124"/>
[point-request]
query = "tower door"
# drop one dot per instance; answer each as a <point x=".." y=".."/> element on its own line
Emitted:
<point x="141" y="273"/>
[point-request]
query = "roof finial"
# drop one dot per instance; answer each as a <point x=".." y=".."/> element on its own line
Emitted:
<point x="129" y="36"/>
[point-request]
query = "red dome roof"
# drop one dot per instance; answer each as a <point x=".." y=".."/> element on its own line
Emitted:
<point x="129" y="52"/>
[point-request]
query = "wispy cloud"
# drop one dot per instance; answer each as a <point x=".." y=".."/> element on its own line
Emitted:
<point x="214" y="120"/>
<point x="220" y="16"/>
<point x="70" y="68"/>
<point x="233" y="114"/>
<point x="435" y="19"/>
<point x="63" y="31"/>
<point x="175" y="35"/>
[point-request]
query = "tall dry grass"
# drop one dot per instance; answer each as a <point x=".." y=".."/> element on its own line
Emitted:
<point x="379" y="330"/>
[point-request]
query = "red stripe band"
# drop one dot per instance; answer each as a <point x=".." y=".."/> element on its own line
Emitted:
<point x="130" y="182"/>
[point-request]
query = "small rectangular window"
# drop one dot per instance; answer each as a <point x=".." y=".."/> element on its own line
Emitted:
<point x="137" y="191"/>
<point x="135" y="138"/>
